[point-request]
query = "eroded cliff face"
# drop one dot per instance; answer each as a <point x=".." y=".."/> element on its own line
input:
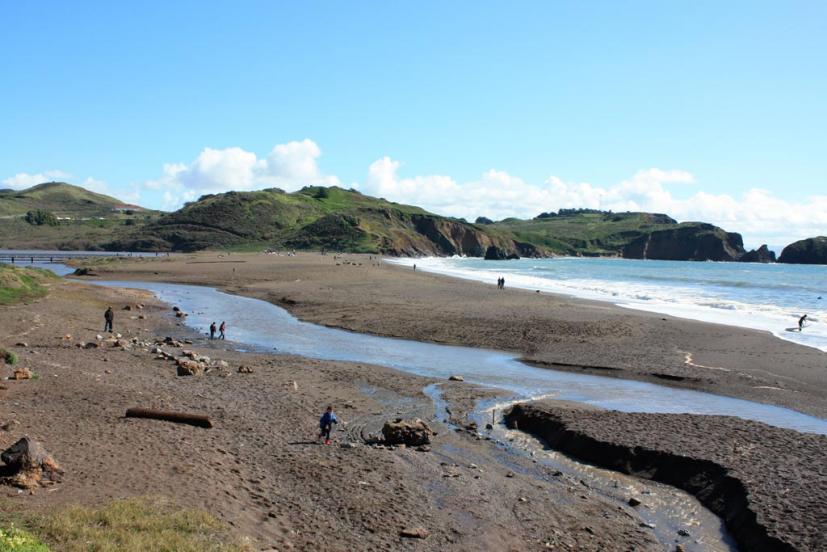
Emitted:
<point x="688" y="242"/>
<point x="809" y="251"/>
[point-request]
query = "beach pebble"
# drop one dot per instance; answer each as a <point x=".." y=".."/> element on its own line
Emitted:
<point x="456" y="378"/>
<point x="414" y="533"/>
<point x="634" y="502"/>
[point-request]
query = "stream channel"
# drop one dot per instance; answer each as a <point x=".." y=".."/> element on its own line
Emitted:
<point x="259" y="326"/>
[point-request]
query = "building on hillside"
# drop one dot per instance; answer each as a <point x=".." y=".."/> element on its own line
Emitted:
<point x="124" y="207"/>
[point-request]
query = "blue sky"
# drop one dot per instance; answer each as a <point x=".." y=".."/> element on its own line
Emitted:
<point x="705" y="109"/>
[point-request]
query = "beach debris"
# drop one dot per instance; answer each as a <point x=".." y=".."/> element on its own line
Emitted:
<point x="407" y="432"/>
<point x="198" y="420"/>
<point x="456" y="378"/>
<point x="634" y="502"/>
<point x="245" y="370"/>
<point x="30" y="465"/>
<point x="349" y="445"/>
<point x="414" y="533"/>
<point x="187" y="367"/>
<point x="22" y="374"/>
<point x="99" y="337"/>
<point x="21" y="344"/>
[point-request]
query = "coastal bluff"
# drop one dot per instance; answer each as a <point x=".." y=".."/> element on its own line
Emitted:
<point x="807" y="251"/>
<point x="766" y="483"/>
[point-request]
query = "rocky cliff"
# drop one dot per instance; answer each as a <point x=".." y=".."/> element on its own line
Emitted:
<point x="809" y="251"/>
<point x="687" y="242"/>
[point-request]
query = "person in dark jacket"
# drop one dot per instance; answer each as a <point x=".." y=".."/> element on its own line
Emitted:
<point x="221" y="329"/>
<point x="326" y="424"/>
<point x="108" y="318"/>
<point x="212" y="330"/>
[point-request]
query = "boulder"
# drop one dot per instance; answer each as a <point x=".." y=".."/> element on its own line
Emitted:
<point x="494" y="253"/>
<point x="29" y="464"/>
<point x="407" y="432"/>
<point x="189" y="367"/>
<point x="22" y="374"/>
<point x="456" y="378"/>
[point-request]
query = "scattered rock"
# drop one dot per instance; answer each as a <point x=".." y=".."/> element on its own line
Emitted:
<point x="245" y="370"/>
<point x="91" y="345"/>
<point x="510" y="474"/>
<point x="128" y="308"/>
<point x="423" y="448"/>
<point x="21" y="344"/>
<point x="679" y="548"/>
<point x="7" y="426"/>
<point x="189" y="367"/>
<point x="634" y="502"/>
<point x="22" y="374"/>
<point x="456" y="378"/>
<point x="489" y="427"/>
<point x="683" y="532"/>
<point x="180" y="314"/>
<point x="175" y="309"/>
<point x="411" y="432"/>
<point x="414" y="533"/>
<point x="349" y="445"/>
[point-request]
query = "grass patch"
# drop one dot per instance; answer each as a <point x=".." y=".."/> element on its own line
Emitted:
<point x="13" y="539"/>
<point x="22" y="284"/>
<point x="129" y="525"/>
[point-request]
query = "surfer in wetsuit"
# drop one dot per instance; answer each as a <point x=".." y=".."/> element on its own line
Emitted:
<point x="801" y="322"/>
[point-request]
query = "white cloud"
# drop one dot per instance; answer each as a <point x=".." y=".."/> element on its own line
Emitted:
<point x="288" y="166"/>
<point x="758" y="214"/>
<point x="26" y="180"/>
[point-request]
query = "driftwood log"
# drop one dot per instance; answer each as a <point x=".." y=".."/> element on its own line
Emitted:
<point x="198" y="420"/>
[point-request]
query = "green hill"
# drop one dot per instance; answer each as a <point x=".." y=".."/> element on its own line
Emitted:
<point x="314" y="217"/>
<point x="64" y="216"/>
<point x="62" y="199"/>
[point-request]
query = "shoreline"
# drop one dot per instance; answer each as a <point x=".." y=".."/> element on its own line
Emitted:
<point x="361" y="293"/>
<point x="686" y="311"/>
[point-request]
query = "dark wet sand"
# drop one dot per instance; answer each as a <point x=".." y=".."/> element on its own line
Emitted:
<point x="363" y="294"/>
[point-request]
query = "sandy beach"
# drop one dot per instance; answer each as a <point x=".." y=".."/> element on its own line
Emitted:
<point x="261" y="469"/>
<point x="364" y="294"/>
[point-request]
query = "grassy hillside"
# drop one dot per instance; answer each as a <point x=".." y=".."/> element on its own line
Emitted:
<point x="313" y="217"/>
<point x="73" y="218"/>
<point x="344" y="220"/>
<point x="59" y="198"/>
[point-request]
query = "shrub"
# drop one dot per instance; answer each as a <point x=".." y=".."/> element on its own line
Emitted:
<point x="40" y="217"/>
<point x="8" y="357"/>
<point x="17" y="540"/>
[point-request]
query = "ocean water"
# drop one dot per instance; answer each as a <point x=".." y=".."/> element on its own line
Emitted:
<point x="768" y="297"/>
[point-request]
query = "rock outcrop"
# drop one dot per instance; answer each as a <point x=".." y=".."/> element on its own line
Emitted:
<point x="809" y="251"/>
<point x="687" y="242"/>
<point x="760" y="255"/>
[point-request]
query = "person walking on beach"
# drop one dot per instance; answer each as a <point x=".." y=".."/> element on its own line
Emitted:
<point x="801" y="322"/>
<point x="108" y="318"/>
<point x="221" y="330"/>
<point x="212" y="330"/>
<point x="502" y="282"/>
<point x="326" y="424"/>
